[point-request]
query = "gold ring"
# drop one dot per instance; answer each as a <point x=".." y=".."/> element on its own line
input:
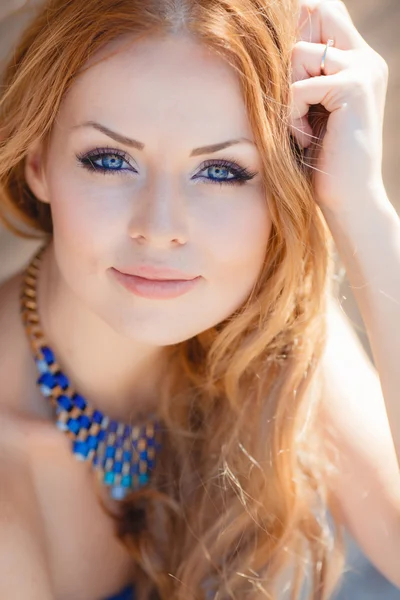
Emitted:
<point x="330" y="42"/>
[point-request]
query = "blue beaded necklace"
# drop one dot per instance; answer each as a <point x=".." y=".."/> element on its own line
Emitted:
<point x="122" y="455"/>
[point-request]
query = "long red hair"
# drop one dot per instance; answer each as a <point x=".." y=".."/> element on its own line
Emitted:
<point x="239" y="500"/>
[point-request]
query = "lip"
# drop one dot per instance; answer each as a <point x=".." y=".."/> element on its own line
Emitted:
<point x="157" y="273"/>
<point x="155" y="289"/>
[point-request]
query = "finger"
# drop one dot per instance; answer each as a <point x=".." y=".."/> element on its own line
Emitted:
<point x="330" y="91"/>
<point x="312" y="4"/>
<point x="307" y="58"/>
<point x="302" y="131"/>
<point x="323" y="19"/>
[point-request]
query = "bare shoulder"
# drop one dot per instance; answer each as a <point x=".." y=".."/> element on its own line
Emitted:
<point x="23" y="548"/>
<point x="23" y="544"/>
<point x="20" y="427"/>
<point x="11" y="342"/>
<point x="356" y="426"/>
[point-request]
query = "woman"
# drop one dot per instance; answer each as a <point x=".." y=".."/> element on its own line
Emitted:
<point x="223" y="415"/>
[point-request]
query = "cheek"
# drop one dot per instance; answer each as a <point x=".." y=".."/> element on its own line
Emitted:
<point x="82" y="218"/>
<point x="238" y="237"/>
<point x="234" y="244"/>
<point x="84" y="239"/>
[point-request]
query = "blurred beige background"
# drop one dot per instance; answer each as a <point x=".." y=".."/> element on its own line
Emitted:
<point x="379" y="22"/>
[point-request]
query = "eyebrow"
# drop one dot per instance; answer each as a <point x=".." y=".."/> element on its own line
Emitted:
<point x="122" y="139"/>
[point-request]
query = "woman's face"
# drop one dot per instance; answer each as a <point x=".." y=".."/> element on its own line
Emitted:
<point x="157" y="201"/>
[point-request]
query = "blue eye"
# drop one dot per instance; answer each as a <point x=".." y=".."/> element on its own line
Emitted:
<point x="221" y="171"/>
<point x="104" y="160"/>
<point x="109" y="161"/>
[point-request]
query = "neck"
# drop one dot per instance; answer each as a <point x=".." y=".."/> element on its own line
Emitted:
<point x="116" y="375"/>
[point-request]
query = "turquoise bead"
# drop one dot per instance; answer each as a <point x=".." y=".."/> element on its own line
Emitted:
<point x="109" y="478"/>
<point x="126" y="480"/>
<point x="143" y="478"/>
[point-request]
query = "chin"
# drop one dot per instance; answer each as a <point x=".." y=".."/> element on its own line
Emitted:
<point x="152" y="334"/>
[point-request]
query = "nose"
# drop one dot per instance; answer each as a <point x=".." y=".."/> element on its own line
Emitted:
<point x="159" y="216"/>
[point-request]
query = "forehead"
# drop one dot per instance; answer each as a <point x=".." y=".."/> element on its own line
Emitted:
<point x="171" y="85"/>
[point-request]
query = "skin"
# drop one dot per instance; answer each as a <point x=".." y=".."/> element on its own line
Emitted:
<point x="155" y="212"/>
<point x="110" y="343"/>
<point x="49" y="531"/>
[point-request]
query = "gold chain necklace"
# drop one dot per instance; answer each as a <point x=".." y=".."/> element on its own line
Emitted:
<point x="122" y="455"/>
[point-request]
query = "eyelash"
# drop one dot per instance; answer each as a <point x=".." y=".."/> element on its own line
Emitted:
<point x="242" y="175"/>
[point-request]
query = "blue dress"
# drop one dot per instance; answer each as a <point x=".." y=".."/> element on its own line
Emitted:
<point x="127" y="594"/>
